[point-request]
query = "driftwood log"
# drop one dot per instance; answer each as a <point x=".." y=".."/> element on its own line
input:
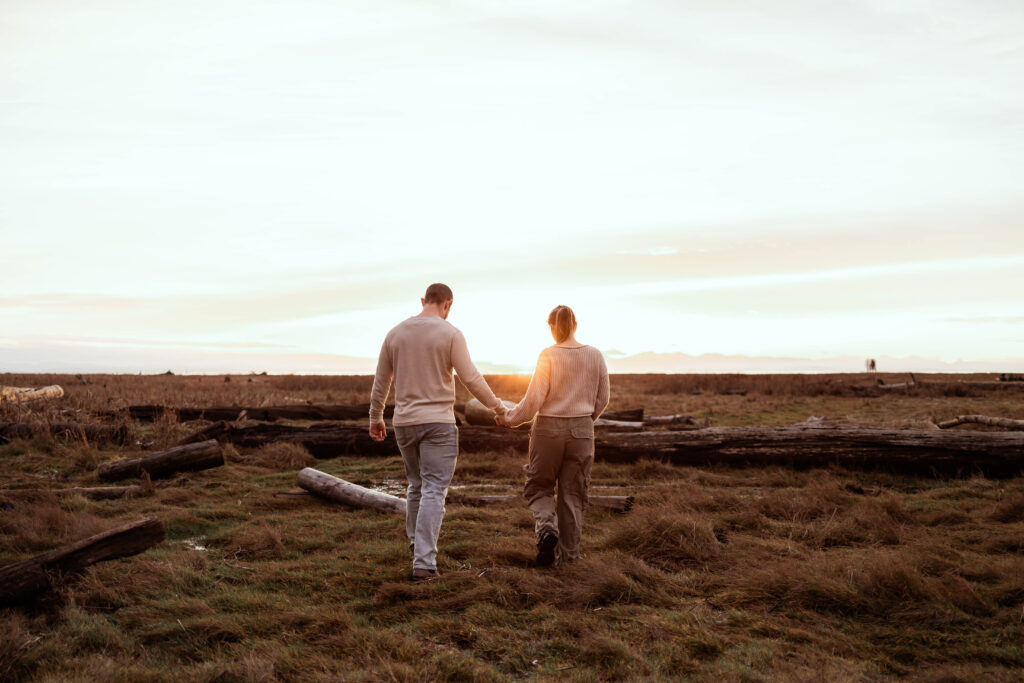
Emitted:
<point x="70" y="431"/>
<point x="929" y="452"/>
<point x="347" y="493"/>
<point x="23" y="580"/>
<point x="632" y="415"/>
<point x="188" y="458"/>
<point x="618" y="425"/>
<point x="1004" y="422"/>
<point x="1011" y="377"/>
<point x="148" y="413"/>
<point x="29" y="394"/>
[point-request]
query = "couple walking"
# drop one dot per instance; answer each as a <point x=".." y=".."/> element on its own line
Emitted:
<point x="568" y="392"/>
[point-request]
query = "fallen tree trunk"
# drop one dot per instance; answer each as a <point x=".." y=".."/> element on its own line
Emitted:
<point x="29" y="394"/>
<point x="617" y="503"/>
<point x="680" y="420"/>
<point x="23" y="580"/>
<point x="1011" y="377"/>
<point x="1005" y="422"/>
<point x="189" y="458"/>
<point x="321" y="440"/>
<point x="619" y="425"/>
<point x="341" y="491"/>
<point x="71" y="431"/>
<point x="929" y="452"/>
<point x="90" y="492"/>
<point x="148" y="413"/>
<point x="631" y="415"/>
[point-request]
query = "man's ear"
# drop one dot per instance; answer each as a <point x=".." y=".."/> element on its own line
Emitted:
<point x="423" y="302"/>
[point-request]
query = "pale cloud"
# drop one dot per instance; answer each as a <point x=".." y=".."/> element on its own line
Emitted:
<point x="788" y="178"/>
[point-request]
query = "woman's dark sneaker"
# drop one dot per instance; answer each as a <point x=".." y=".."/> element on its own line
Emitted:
<point x="546" y="545"/>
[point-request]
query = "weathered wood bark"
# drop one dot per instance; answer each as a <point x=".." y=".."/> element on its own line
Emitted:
<point x="682" y="421"/>
<point x="1011" y="377"/>
<point x="148" y="413"/>
<point x="321" y="440"/>
<point x="23" y="580"/>
<point x="90" y="492"/>
<point x="29" y="394"/>
<point x="346" y="492"/>
<point x="617" y="503"/>
<point x="618" y="425"/>
<point x="1005" y="422"/>
<point x="189" y="458"/>
<point x="632" y="415"/>
<point x="70" y="431"/>
<point x="931" y="452"/>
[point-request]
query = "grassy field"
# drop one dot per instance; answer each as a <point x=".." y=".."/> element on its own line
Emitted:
<point x="716" y="574"/>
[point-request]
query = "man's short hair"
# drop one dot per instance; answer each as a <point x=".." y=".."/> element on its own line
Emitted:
<point x="438" y="293"/>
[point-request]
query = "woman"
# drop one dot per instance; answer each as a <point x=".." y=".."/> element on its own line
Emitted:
<point x="568" y="391"/>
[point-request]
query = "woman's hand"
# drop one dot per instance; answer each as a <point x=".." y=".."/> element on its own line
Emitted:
<point x="500" y="420"/>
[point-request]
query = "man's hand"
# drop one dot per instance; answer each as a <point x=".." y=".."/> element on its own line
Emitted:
<point x="378" y="432"/>
<point x="499" y="419"/>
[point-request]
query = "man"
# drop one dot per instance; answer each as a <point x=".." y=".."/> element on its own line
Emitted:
<point x="420" y="354"/>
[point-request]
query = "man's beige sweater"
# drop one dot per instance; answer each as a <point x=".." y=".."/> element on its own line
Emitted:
<point x="570" y="381"/>
<point x="420" y="354"/>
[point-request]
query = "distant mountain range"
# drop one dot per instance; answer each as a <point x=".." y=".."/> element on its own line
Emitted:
<point x="717" y="363"/>
<point x="94" y="359"/>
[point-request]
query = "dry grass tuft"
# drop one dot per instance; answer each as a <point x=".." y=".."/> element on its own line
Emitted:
<point x="16" y="648"/>
<point x="666" y="535"/>
<point x="261" y="540"/>
<point x="1010" y="510"/>
<point x="44" y="524"/>
<point x="281" y="456"/>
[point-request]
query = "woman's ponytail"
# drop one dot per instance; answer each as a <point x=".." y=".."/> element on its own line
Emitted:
<point x="563" y="322"/>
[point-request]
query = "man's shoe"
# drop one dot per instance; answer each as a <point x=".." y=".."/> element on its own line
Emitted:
<point x="546" y="545"/>
<point x="424" y="574"/>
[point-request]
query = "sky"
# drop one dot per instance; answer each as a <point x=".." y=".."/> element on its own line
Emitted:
<point x="249" y="186"/>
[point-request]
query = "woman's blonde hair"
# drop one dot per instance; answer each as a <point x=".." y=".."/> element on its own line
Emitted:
<point x="563" y="322"/>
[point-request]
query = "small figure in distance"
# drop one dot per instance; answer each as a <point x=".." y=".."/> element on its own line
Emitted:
<point x="568" y="391"/>
<point x="419" y="354"/>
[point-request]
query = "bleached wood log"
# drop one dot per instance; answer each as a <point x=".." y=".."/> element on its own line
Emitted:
<point x="347" y="493"/>
<point x="671" y="420"/>
<point x="189" y="458"/>
<point x="619" y="425"/>
<point x="1004" y="422"/>
<point x="23" y="580"/>
<point x="29" y="394"/>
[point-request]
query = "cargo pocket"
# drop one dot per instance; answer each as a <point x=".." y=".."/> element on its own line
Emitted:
<point x="583" y="432"/>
